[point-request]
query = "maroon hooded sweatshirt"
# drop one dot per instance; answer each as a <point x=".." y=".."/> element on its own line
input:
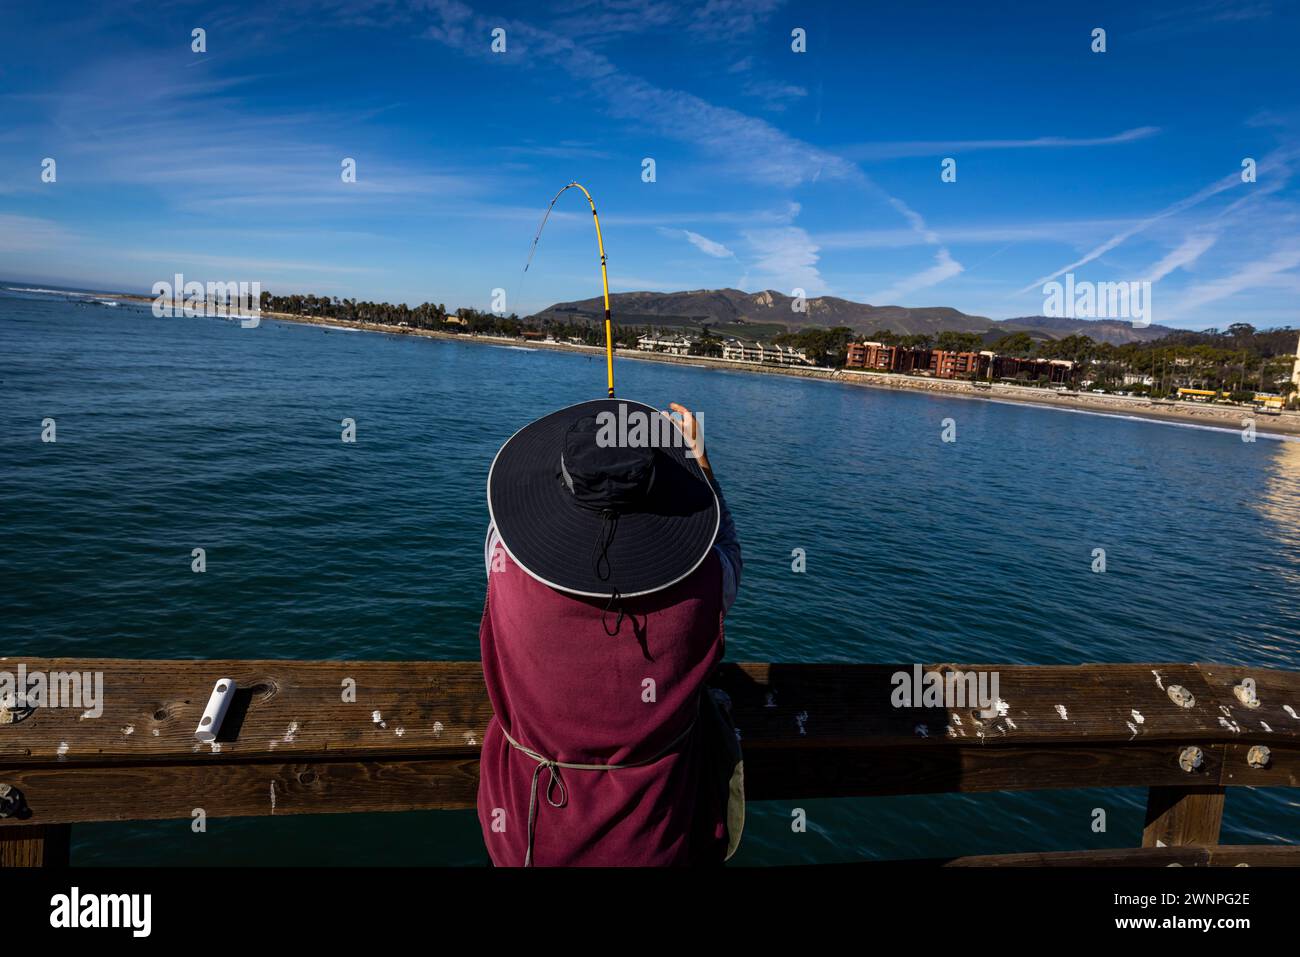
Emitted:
<point x="567" y="691"/>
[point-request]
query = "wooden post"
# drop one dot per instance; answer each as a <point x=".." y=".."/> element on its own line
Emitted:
<point x="1183" y="815"/>
<point x="40" y="845"/>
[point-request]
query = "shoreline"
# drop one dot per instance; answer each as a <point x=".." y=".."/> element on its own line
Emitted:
<point x="1185" y="413"/>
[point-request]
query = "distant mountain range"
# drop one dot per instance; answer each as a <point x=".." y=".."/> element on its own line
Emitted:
<point x="756" y="315"/>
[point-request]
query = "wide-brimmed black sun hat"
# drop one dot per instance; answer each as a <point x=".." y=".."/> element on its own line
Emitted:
<point x="602" y="499"/>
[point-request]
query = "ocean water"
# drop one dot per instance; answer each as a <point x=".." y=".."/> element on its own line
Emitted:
<point x="177" y="433"/>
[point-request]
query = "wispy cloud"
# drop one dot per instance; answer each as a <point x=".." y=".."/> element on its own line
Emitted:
<point x="774" y="94"/>
<point x="565" y="149"/>
<point x="945" y="267"/>
<point x="606" y="20"/>
<point x="218" y="152"/>
<point x="750" y="147"/>
<point x="1052" y="230"/>
<point x="1191" y="249"/>
<point x="21" y="233"/>
<point x="879" y="151"/>
<point x="1206" y="15"/>
<point x="732" y="18"/>
<point x="702" y="243"/>
<point x="1214" y="189"/>
<point x="741" y="217"/>
<point x="1273" y="172"/>
<point x="916" y="222"/>
<point x="241" y="263"/>
<point x="785" y="259"/>
<point x="1249" y="276"/>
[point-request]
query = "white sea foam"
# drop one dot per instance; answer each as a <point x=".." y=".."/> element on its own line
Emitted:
<point x="52" y="292"/>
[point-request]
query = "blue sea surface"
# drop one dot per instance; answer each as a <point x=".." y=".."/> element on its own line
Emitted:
<point x="178" y="433"/>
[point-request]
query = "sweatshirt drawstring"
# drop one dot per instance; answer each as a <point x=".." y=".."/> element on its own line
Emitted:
<point x="556" y="781"/>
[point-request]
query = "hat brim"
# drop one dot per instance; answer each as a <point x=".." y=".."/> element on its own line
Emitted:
<point x="554" y="539"/>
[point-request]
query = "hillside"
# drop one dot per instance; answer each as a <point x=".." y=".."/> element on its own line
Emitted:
<point x="762" y="314"/>
<point x="1115" y="331"/>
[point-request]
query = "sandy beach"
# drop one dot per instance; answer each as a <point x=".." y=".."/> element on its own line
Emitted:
<point x="1186" y="413"/>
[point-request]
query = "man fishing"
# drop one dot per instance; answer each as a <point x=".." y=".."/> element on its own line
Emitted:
<point x="610" y="567"/>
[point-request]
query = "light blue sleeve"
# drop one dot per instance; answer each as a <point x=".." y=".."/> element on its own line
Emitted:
<point x="488" y="544"/>
<point x="727" y="545"/>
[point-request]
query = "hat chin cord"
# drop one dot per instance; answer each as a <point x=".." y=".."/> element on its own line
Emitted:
<point x="603" y="569"/>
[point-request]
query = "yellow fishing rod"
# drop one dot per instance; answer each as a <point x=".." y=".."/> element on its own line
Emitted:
<point x="604" y="274"/>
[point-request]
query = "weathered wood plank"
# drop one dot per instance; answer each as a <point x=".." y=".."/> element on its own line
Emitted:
<point x="296" y="710"/>
<point x="1281" y="767"/>
<point x="46" y="845"/>
<point x="849" y="704"/>
<point x="231" y="788"/>
<point x="776" y="772"/>
<point x="1224" y="855"/>
<point x="289" y="708"/>
<point x="83" y="793"/>
<point x="1183" y="815"/>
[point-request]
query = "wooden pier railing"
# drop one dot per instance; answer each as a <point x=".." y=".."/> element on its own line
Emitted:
<point x="313" y="737"/>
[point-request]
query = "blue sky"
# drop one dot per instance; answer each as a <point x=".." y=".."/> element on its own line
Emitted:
<point x="774" y="169"/>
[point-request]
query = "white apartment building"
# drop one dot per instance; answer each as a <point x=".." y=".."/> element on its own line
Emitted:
<point x="673" y="345"/>
<point x="738" y="350"/>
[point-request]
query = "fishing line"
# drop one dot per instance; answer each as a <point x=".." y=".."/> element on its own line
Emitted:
<point x="604" y="274"/>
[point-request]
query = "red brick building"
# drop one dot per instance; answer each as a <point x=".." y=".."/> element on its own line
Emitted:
<point x="948" y="364"/>
<point x="871" y="355"/>
<point x="1053" y="370"/>
<point x="953" y="365"/>
<point x="912" y="360"/>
